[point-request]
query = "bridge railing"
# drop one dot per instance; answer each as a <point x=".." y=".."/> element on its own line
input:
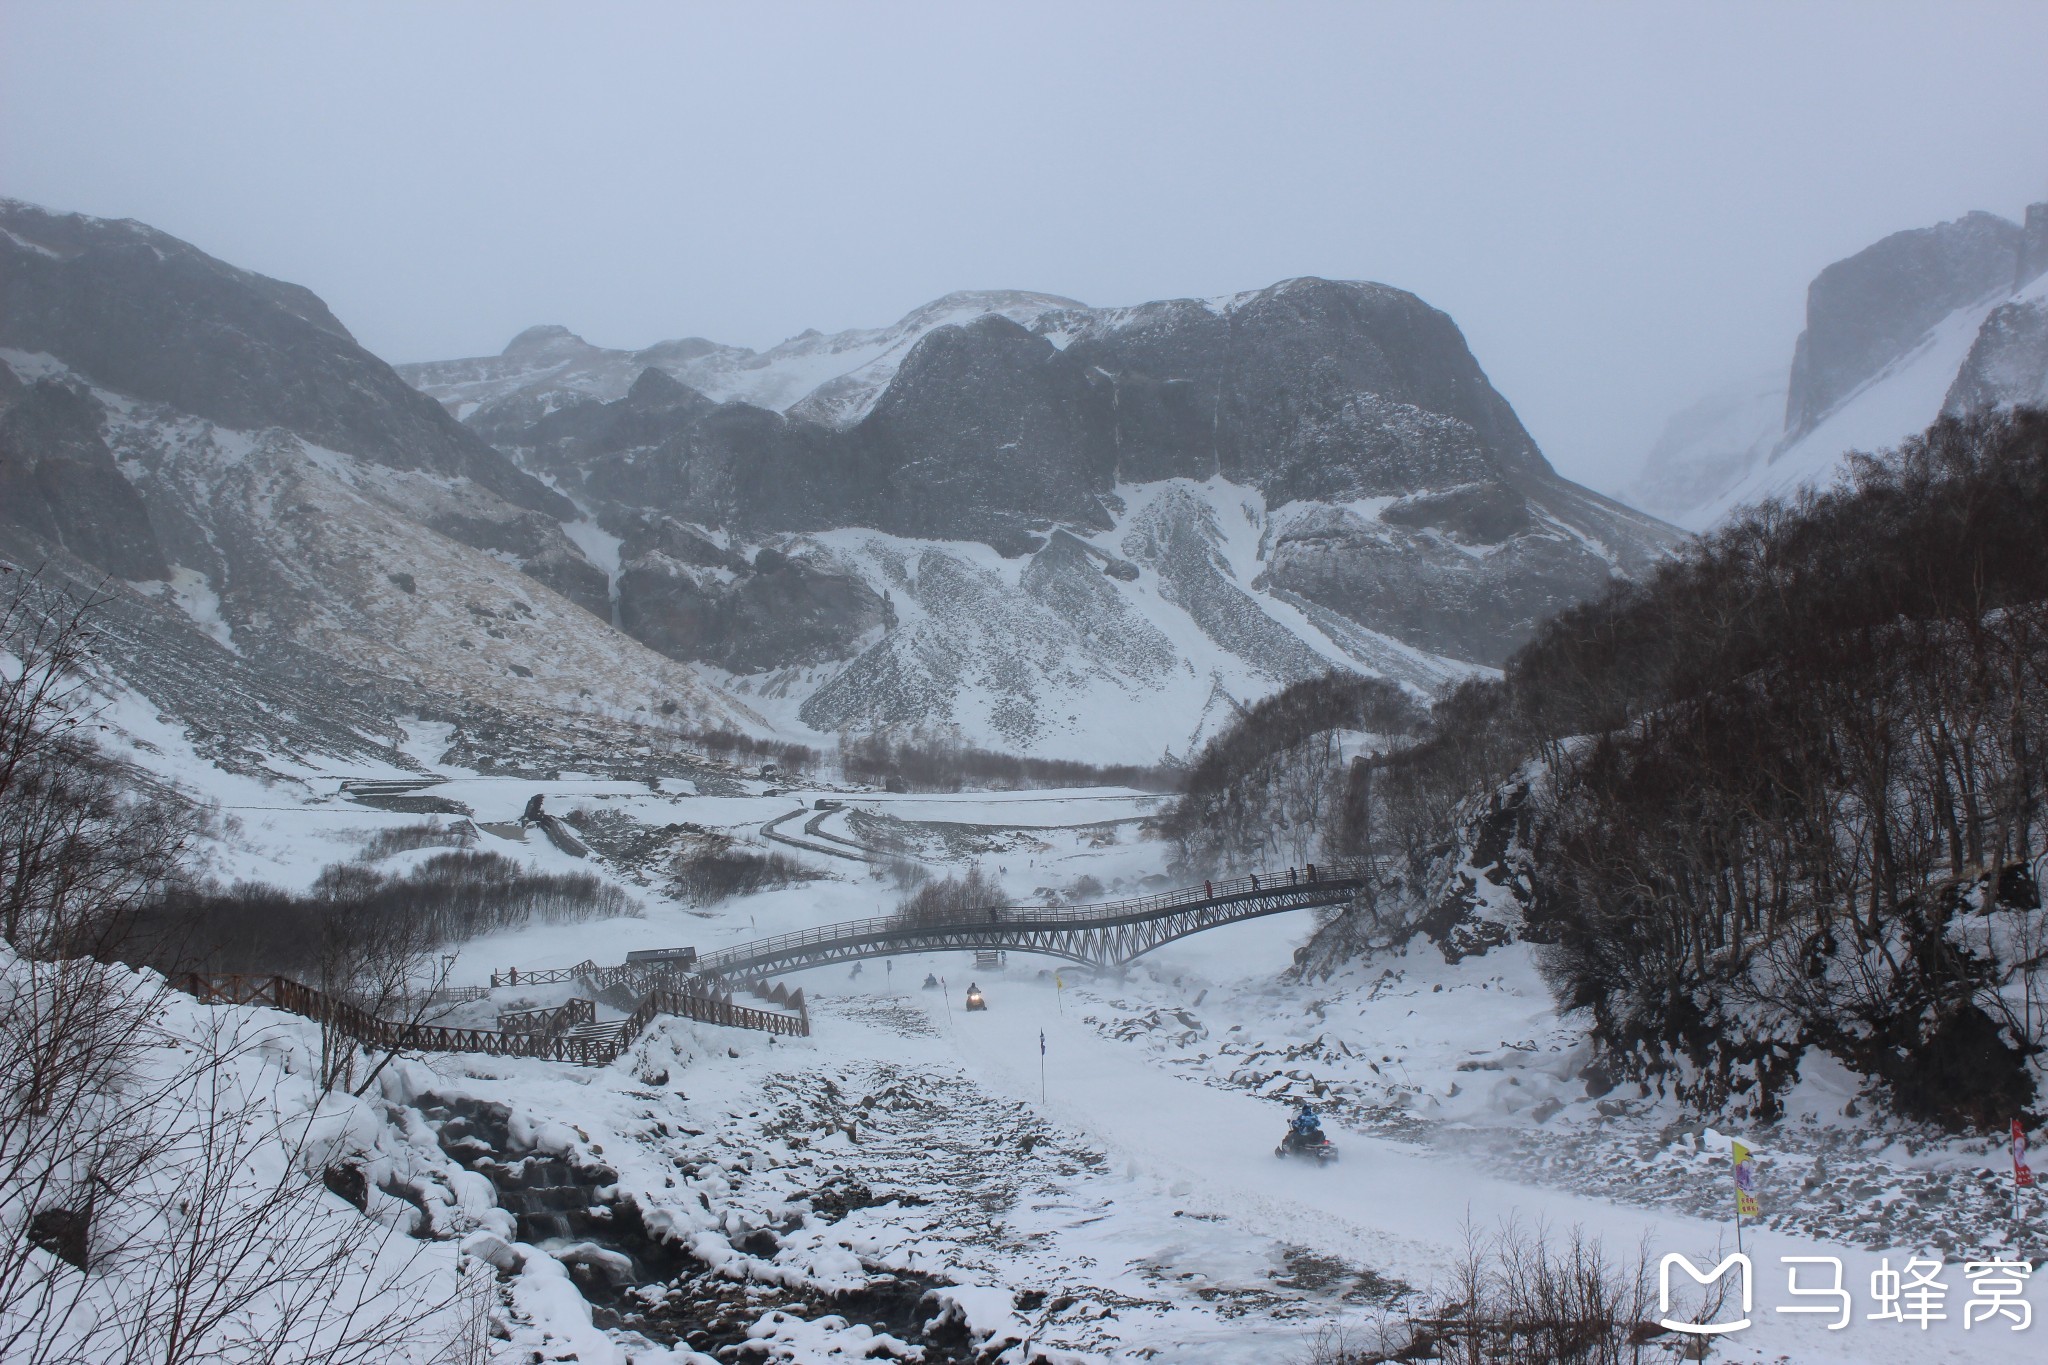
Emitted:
<point x="551" y="1040"/>
<point x="1329" y="877"/>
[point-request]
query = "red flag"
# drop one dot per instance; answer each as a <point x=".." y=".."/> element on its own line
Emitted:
<point x="2021" y="1175"/>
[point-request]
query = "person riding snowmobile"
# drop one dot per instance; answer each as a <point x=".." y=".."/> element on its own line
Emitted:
<point x="1305" y="1136"/>
<point x="1307" y="1127"/>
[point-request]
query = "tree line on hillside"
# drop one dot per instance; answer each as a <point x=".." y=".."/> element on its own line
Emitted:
<point x="1791" y="784"/>
<point x="1272" y="786"/>
<point x="940" y="765"/>
<point x="928" y="763"/>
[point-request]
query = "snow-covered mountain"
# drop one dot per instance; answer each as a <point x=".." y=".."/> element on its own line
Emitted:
<point x="833" y="379"/>
<point x="1050" y="528"/>
<point x="1947" y="319"/>
<point x="1007" y="519"/>
<point x="301" y="552"/>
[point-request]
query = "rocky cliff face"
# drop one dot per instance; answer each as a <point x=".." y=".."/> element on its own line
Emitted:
<point x="1865" y="311"/>
<point x="300" y="550"/>
<point x="1190" y="496"/>
<point x="1929" y="321"/>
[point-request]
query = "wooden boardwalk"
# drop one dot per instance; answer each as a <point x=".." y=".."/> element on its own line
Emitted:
<point x="559" y="1033"/>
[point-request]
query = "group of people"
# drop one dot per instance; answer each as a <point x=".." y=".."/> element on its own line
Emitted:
<point x="1295" y="877"/>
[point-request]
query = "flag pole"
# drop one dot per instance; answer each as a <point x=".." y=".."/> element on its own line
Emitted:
<point x="1745" y="1187"/>
<point x="1041" y="1068"/>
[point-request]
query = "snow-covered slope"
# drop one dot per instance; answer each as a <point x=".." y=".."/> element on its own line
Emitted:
<point x="1901" y="399"/>
<point x="1711" y="446"/>
<point x="297" y="550"/>
<point x="1051" y="654"/>
<point x="2008" y="361"/>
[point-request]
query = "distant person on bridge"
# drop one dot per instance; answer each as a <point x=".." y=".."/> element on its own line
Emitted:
<point x="1290" y="876"/>
<point x="1208" y="891"/>
<point x="1255" y="881"/>
<point x="1311" y="871"/>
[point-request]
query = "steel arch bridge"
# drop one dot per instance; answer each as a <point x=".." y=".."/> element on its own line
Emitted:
<point x="1109" y="934"/>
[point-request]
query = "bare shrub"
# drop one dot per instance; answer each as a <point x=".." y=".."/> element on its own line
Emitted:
<point x="387" y="843"/>
<point x="935" y="764"/>
<point x="903" y="873"/>
<point x="1522" y="1295"/>
<point x="1271" y="786"/>
<point x="153" y="1204"/>
<point x="446" y="899"/>
<point x="972" y="898"/>
<point x="719" y="869"/>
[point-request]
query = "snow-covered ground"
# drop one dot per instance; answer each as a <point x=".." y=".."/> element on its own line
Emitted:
<point x="1109" y="1193"/>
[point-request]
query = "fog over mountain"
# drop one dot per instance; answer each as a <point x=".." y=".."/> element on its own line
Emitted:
<point x="1545" y="177"/>
<point x="1946" y="320"/>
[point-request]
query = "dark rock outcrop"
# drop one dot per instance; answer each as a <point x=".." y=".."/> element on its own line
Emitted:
<point x="59" y="479"/>
<point x="2033" y="254"/>
<point x="777" y="612"/>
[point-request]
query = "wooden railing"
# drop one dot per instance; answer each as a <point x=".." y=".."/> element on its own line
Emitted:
<point x="571" y="1035"/>
<point x="545" y="976"/>
<point x="548" y="1018"/>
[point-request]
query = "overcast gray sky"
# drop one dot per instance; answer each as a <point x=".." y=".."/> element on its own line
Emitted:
<point x="1620" y="204"/>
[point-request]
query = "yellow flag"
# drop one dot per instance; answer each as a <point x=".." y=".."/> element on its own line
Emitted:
<point x="1745" y="1182"/>
<point x="1059" y="982"/>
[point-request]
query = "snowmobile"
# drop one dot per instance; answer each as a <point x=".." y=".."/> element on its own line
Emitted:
<point x="974" y="1000"/>
<point x="931" y="981"/>
<point x="1305" y="1138"/>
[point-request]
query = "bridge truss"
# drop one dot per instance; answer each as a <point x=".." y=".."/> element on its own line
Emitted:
<point x="1109" y="934"/>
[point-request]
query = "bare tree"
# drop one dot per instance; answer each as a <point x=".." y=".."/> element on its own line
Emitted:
<point x="156" y="1204"/>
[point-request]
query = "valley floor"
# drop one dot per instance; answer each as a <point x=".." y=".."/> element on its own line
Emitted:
<point x="1089" y="1162"/>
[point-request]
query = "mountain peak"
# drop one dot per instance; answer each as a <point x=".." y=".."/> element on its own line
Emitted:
<point x="546" y="338"/>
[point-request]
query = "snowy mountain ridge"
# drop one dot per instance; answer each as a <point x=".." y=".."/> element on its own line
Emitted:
<point x="831" y="378"/>
<point x="1026" y="525"/>
<point x="296" y="554"/>
<point x="1040" y="530"/>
